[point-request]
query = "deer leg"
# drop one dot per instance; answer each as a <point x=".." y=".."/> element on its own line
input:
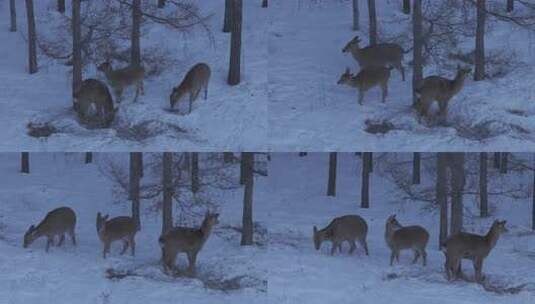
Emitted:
<point x="61" y="239"/>
<point x="206" y="92"/>
<point x="191" y="98"/>
<point x="333" y="248"/>
<point x="443" y="110"/>
<point x="416" y="256"/>
<point x="397" y="256"/>
<point x="361" y="96"/>
<point x="73" y="237"/>
<point x="384" y="88"/>
<point x="363" y="243"/>
<point x="353" y="246"/>
<point x="392" y="256"/>
<point x="400" y="68"/>
<point x="132" y="246"/>
<point x="125" y="247"/>
<point x="478" y="265"/>
<point x="424" y="257"/>
<point x="192" y="258"/>
<point x="49" y="242"/>
<point x="142" y="87"/>
<point x="106" y="249"/>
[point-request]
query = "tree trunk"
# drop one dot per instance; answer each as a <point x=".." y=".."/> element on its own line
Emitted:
<point x="161" y="3"/>
<point x="136" y="24"/>
<point x="135" y="175"/>
<point x="504" y="162"/>
<point x="373" y="22"/>
<point x="228" y="16"/>
<point x="417" y="32"/>
<point x="406" y="7"/>
<point x="32" y="38"/>
<point x="441" y="197"/>
<point x="416" y="168"/>
<point x="247" y="219"/>
<point x="235" y="43"/>
<point x="510" y="5"/>
<point x="331" y="185"/>
<point x="483" y="194"/>
<point x="497" y="160"/>
<point x="25" y="162"/>
<point x="228" y="157"/>
<point x="243" y="169"/>
<point x="88" y="157"/>
<point x="365" y="189"/>
<point x="356" y="15"/>
<point x="457" y="188"/>
<point x="167" y="181"/>
<point x="76" y="47"/>
<point x="13" y="11"/>
<point x="264" y="3"/>
<point x="61" y="6"/>
<point x="370" y="159"/>
<point x="301" y="154"/>
<point x="479" y="73"/>
<point x="533" y="198"/>
<point x="194" y="172"/>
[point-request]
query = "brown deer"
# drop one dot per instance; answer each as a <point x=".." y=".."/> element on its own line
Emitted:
<point x="121" y="228"/>
<point x="196" y="79"/>
<point x="409" y="237"/>
<point x="94" y="92"/>
<point x="366" y="79"/>
<point x="348" y="228"/>
<point x="378" y="55"/>
<point x="440" y="89"/>
<point x="122" y="78"/>
<point x="56" y="223"/>
<point x="470" y="246"/>
<point x="187" y="240"/>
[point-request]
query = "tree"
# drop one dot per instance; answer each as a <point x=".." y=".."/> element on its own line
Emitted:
<point x="228" y="157"/>
<point x="373" y="22"/>
<point x="235" y="43"/>
<point x="13" y="15"/>
<point x="61" y="6"/>
<point x="25" y="162"/>
<point x="497" y="160"/>
<point x="483" y="194"/>
<point x="32" y="38"/>
<point x="228" y="16"/>
<point x="356" y="15"/>
<point x="406" y="7"/>
<point x="247" y="218"/>
<point x="264" y="3"/>
<point x="416" y="168"/>
<point x="479" y="73"/>
<point x="76" y="47"/>
<point x="417" y="32"/>
<point x="161" y="3"/>
<point x="135" y="176"/>
<point x="441" y="189"/>
<point x="503" y="163"/>
<point x="331" y="185"/>
<point x="195" y="172"/>
<point x="243" y="170"/>
<point x="365" y="189"/>
<point x="88" y="157"/>
<point x="456" y="161"/>
<point x="533" y="198"/>
<point x="136" y="24"/>
<point x="167" y="182"/>
<point x="510" y="5"/>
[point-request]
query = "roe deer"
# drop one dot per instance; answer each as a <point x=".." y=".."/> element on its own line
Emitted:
<point x="187" y="240"/>
<point x="195" y="80"/>
<point x="410" y="237"/>
<point x="56" y="223"/>
<point x="470" y="246"/>
<point x="379" y="55"/>
<point x="122" y="228"/>
<point x="345" y="228"/>
<point x="94" y="92"/>
<point x="440" y="89"/>
<point x="366" y="79"/>
<point x="122" y="78"/>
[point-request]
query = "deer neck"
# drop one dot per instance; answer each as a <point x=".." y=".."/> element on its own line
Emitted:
<point x="492" y="237"/>
<point x="457" y="83"/>
<point x="206" y="230"/>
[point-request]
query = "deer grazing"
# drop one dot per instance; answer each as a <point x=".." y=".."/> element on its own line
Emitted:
<point x="409" y="237"/>
<point x="348" y="228"/>
<point x="366" y="79"/>
<point x="57" y="222"/>
<point x="378" y="55"/>
<point x="442" y="90"/>
<point x="122" y="78"/>
<point x="93" y="92"/>
<point x="196" y="79"/>
<point x="470" y="246"/>
<point x="121" y="228"/>
<point x="186" y="240"/>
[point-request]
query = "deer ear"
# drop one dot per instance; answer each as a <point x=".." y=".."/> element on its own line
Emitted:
<point x="315" y="230"/>
<point x="348" y="71"/>
<point x="32" y="228"/>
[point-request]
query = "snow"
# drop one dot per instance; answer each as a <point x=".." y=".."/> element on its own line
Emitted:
<point x="233" y="118"/>
<point x="308" y="111"/>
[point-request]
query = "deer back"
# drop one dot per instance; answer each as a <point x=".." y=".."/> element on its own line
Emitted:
<point x="371" y="76"/>
<point x="381" y="54"/>
<point x="198" y="76"/>
<point x="186" y="239"/>
<point x="117" y="228"/>
<point x="93" y="91"/>
<point x="410" y="237"/>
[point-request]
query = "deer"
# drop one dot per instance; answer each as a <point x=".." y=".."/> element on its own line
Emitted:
<point x="348" y="228"/>
<point x="464" y="245"/>
<point x="366" y="79"/>
<point x="399" y="237"/>
<point x="440" y="89"/>
<point x="187" y="240"/>
<point x="57" y="222"/>
<point x="196" y="79"/>
<point x="378" y="55"/>
<point x="96" y="93"/>
<point x="122" y="78"/>
<point x="121" y="228"/>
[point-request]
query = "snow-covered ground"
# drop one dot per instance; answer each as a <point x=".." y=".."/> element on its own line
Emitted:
<point x="308" y="111"/>
<point x="78" y="274"/>
<point x="300" y="274"/>
<point x="233" y="118"/>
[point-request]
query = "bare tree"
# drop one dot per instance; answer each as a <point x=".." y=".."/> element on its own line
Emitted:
<point x="195" y="172"/>
<point x="406" y="7"/>
<point x="76" y="47"/>
<point x="228" y="16"/>
<point x="135" y="47"/>
<point x="243" y="170"/>
<point x="32" y="38"/>
<point x="365" y="188"/>
<point x="504" y="162"/>
<point x="234" y="73"/>
<point x="417" y="32"/>
<point x="135" y="176"/>
<point x="510" y="5"/>
<point x="88" y="157"/>
<point x="247" y="219"/>
<point x="373" y="22"/>
<point x="228" y="157"/>
<point x="456" y="161"/>
<point x="264" y="3"/>
<point x="25" y="162"/>
<point x="13" y="15"/>
<point x="441" y="189"/>
<point x="533" y="198"/>
<point x="479" y="73"/>
<point x="331" y="184"/>
<point x="167" y="181"/>
<point x="497" y="160"/>
<point x="61" y="6"/>
<point x="356" y="15"/>
<point x="416" y="158"/>
<point x="483" y="193"/>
